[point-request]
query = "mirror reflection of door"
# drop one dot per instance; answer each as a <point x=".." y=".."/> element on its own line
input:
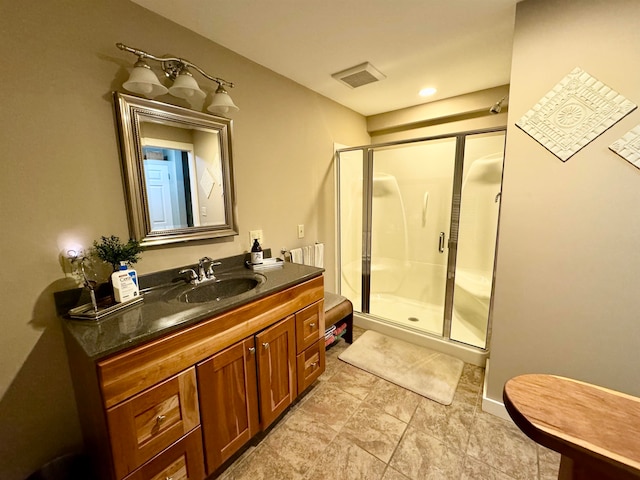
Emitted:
<point x="170" y="175"/>
<point x="158" y="186"/>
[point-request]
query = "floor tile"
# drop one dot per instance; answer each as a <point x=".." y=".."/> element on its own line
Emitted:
<point x="466" y="394"/>
<point x="391" y="474"/>
<point x="394" y="400"/>
<point x="354" y="381"/>
<point x="264" y="463"/>
<point x="472" y="375"/>
<point x="375" y="431"/>
<point x="300" y="438"/>
<point x="357" y="331"/>
<point x="449" y="423"/>
<point x="548" y="463"/>
<point x="420" y="456"/>
<point x="476" y="470"/>
<point x="347" y="461"/>
<point x="330" y="405"/>
<point x="501" y="445"/>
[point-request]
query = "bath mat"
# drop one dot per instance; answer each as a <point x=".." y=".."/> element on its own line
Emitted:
<point x="429" y="373"/>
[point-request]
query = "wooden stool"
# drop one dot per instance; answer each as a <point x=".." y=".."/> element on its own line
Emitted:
<point x="596" y="430"/>
<point x="337" y="309"/>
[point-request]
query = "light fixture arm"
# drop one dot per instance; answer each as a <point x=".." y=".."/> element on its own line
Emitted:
<point x="172" y="66"/>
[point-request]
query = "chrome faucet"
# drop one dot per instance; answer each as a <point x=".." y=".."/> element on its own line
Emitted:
<point x="207" y="273"/>
<point x="202" y="273"/>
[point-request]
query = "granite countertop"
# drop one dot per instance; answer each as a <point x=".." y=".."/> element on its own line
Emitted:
<point x="158" y="315"/>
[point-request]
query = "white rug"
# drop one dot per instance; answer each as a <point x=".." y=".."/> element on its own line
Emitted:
<point x="431" y="374"/>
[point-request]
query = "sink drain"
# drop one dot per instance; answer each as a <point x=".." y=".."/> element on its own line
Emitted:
<point x="413" y="319"/>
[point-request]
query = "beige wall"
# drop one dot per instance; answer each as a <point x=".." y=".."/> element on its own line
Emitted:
<point x="568" y="268"/>
<point x="443" y="117"/>
<point x="61" y="183"/>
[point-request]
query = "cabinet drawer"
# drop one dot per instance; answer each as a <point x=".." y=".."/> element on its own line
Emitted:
<point x="149" y="422"/>
<point x="310" y="365"/>
<point x="309" y="325"/>
<point x="181" y="461"/>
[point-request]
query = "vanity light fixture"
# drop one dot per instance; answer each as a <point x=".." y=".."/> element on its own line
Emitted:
<point x="143" y="81"/>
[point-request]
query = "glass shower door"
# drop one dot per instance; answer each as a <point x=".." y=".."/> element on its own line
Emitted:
<point x="478" y="226"/>
<point x="411" y="202"/>
<point x="350" y="205"/>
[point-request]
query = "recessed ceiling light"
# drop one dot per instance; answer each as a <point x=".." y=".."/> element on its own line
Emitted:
<point x="426" y="92"/>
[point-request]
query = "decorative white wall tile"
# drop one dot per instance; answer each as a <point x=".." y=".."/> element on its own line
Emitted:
<point x="628" y="147"/>
<point x="576" y="111"/>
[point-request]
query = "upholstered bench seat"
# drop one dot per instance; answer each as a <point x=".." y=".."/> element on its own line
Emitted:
<point x="338" y="309"/>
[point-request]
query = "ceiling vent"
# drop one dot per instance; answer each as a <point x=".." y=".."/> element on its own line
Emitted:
<point x="359" y="75"/>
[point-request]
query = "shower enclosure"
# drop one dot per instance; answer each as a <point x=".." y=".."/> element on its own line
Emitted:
<point x="417" y="227"/>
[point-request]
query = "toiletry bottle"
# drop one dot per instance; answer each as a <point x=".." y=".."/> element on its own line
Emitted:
<point x="125" y="283"/>
<point x="256" y="253"/>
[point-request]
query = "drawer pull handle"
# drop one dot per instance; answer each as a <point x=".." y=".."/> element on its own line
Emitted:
<point x="168" y="478"/>
<point x="313" y="324"/>
<point x="265" y="345"/>
<point x="252" y="350"/>
<point x="313" y="365"/>
<point x="160" y="419"/>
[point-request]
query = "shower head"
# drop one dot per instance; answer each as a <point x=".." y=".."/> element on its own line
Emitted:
<point x="497" y="107"/>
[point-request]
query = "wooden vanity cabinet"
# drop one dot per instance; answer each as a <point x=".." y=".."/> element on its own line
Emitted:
<point x="227" y="383"/>
<point x="180" y="405"/>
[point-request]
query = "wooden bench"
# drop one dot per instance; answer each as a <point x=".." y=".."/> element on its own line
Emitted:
<point x="338" y="309"/>
<point x="596" y="430"/>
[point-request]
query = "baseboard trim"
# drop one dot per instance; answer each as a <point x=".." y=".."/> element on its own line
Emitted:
<point x="489" y="405"/>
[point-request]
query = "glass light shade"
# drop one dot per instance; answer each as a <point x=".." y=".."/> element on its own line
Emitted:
<point x="185" y="86"/>
<point x="222" y="102"/>
<point x="143" y="81"/>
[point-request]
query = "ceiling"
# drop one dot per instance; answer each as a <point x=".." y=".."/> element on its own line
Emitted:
<point x="455" y="46"/>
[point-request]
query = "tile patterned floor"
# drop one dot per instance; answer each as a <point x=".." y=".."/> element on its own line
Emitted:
<point x="354" y="425"/>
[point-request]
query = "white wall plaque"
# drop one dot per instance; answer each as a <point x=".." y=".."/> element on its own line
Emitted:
<point x="576" y="111"/>
<point x="628" y="147"/>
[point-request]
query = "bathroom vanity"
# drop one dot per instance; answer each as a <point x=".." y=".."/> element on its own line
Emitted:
<point x="172" y="390"/>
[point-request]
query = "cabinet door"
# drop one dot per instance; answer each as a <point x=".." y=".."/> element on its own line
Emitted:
<point x="276" y="369"/>
<point x="309" y="325"/>
<point x="181" y="461"/>
<point x="227" y="384"/>
<point x="147" y="423"/>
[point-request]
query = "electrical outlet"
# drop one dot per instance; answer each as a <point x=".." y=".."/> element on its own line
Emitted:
<point x="203" y="211"/>
<point x="301" y="231"/>
<point x="253" y="234"/>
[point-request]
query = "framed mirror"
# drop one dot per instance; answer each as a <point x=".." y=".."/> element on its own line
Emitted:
<point x="177" y="168"/>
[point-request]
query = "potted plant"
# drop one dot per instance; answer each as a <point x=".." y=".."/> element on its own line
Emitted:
<point x="112" y="251"/>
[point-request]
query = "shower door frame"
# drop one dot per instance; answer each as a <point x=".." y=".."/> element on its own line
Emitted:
<point x="452" y="243"/>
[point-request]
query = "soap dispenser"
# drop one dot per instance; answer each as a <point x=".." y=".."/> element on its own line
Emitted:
<point x="256" y="253"/>
<point x="125" y="283"/>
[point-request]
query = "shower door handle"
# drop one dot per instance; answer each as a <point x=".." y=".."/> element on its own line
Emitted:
<point x="441" y="243"/>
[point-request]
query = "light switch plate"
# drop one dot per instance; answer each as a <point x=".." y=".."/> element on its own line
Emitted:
<point x="301" y="231"/>
<point x="253" y="234"/>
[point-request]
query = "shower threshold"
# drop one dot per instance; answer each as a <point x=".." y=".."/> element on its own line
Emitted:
<point x="409" y="333"/>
